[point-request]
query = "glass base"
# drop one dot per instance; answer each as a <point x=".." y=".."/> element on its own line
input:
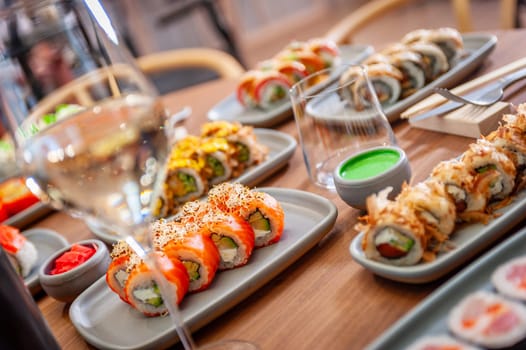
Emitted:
<point x="230" y="344"/>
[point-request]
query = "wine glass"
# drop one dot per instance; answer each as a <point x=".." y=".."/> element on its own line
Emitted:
<point x="88" y="126"/>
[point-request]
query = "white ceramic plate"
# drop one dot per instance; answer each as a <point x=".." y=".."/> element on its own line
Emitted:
<point x="230" y="109"/>
<point x="105" y="321"/>
<point x="281" y="148"/>
<point x="47" y="242"/>
<point x="29" y="215"/>
<point x="430" y="316"/>
<point x="469" y="240"/>
<point x="477" y="47"/>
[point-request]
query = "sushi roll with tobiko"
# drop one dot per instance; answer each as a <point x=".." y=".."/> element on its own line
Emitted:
<point x="117" y="273"/>
<point x="142" y="290"/>
<point x="440" y="342"/>
<point x="263" y="212"/>
<point x="489" y="320"/>
<point x="494" y="171"/>
<point x="21" y="252"/>
<point x="195" y="250"/>
<point x="393" y="234"/>
<point x="434" y="207"/>
<point x="510" y="278"/>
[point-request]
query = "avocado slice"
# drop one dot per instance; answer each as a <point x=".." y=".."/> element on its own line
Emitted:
<point x="223" y="242"/>
<point x="258" y="221"/>
<point x="193" y="269"/>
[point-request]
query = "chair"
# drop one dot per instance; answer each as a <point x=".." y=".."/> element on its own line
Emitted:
<point x="345" y="29"/>
<point x="217" y="61"/>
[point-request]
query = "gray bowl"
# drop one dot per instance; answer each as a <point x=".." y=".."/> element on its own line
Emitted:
<point x="355" y="191"/>
<point x="68" y="285"/>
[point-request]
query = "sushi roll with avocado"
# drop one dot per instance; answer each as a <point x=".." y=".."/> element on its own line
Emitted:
<point x="489" y="320"/>
<point x="118" y="272"/>
<point x="21" y="252"/>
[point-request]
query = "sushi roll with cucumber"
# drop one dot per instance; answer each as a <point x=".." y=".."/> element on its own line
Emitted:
<point x="217" y="153"/>
<point x="489" y="320"/>
<point x="118" y="272"/>
<point x="195" y="250"/>
<point x="510" y="278"/>
<point x="142" y="290"/>
<point x="21" y="252"/>
<point x="393" y="234"/>
<point x="262" y="211"/>
<point x="411" y="66"/>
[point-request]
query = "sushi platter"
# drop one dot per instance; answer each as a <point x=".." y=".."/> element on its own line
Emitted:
<point x="46" y="242"/>
<point x="431" y="316"/>
<point x="230" y="109"/>
<point x="106" y="322"/>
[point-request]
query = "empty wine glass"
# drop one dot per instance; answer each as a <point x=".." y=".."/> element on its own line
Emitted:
<point x="88" y="125"/>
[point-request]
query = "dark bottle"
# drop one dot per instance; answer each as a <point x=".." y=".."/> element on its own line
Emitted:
<point x="22" y="324"/>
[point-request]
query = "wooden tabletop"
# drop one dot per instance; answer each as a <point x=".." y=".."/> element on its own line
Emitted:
<point x="324" y="299"/>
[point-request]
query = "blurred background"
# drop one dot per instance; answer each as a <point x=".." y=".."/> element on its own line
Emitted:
<point x="253" y="30"/>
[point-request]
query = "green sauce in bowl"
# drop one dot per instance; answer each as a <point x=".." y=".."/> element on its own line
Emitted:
<point x="369" y="164"/>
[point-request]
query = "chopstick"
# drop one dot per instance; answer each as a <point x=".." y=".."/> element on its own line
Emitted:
<point x="436" y="99"/>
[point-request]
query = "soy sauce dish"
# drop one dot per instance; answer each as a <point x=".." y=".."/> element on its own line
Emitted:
<point x="370" y="171"/>
<point x="71" y="270"/>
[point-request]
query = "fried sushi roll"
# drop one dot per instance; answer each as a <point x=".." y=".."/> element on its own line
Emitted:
<point x="118" y="272"/>
<point x="434" y="208"/>
<point x="411" y="66"/>
<point x="385" y="79"/>
<point x="142" y="290"/>
<point x="196" y="251"/>
<point x="393" y="234"/>
<point x="493" y="170"/>
<point x="511" y="142"/>
<point x="449" y="40"/>
<point x="262" y="211"/>
<point x="435" y="61"/>
<point x="217" y="153"/>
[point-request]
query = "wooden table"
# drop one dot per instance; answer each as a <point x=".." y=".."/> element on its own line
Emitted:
<point x="325" y="299"/>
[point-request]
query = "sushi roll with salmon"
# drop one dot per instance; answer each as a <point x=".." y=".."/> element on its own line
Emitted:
<point x="142" y="290"/>
<point x="293" y="70"/>
<point x="262" y="211"/>
<point x="21" y="252"/>
<point x="118" y="272"/>
<point x="233" y="237"/>
<point x="393" y="234"/>
<point x="195" y="250"/>
<point x="245" y="89"/>
<point x="510" y="278"/>
<point x="489" y="320"/>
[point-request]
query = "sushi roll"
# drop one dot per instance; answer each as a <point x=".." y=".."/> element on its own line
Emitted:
<point x="269" y="88"/>
<point x="494" y="171"/>
<point x="142" y="290"/>
<point x="385" y="79"/>
<point x="327" y="50"/>
<point x="449" y="40"/>
<point x="488" y="320"/>
<point x="245" y="89"/>
<point x="312" y="62"/>
<point x="435" y="61"/>
<point x="262" y="211"/>
<point x="461" y="185"/>
<point x="440" y="342"/>
<point x="217" y="153"/>
<point x="411" y="66"/>
<point x="434" y="208"/>
<point x="21" y="252"/>
<point x="393" y="234"/>
<point x="511" y="142"/>
<point x="510" y="278"/>
<point x="293" y="70"/>
<point x="117" y="273"/>
<point x="195" y="250"/>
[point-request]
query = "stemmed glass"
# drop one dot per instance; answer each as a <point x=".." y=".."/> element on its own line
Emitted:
<point x="88" y="126"/>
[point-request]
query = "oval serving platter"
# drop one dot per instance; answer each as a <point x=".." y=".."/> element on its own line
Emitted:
<point x="106" y="322"/>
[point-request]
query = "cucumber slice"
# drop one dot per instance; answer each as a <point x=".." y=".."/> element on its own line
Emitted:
<point x="259" y="222"/>
<point x="150" y="295"/>
<point x="193" y="269"/>
<point x="243" y="153"/>
<point x="223" y="242"/>
<point x="217" y="167"/>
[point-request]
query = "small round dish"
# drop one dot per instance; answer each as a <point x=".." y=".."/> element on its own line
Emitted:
<point x="66" y="286"/>
<point x="369" y="172"/>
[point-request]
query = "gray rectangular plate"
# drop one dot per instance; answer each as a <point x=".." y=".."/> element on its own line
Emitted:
<point x="230" y="109"/>
<point x="281" y="148"/>
<point x="107" y="322"/>
<point x="29" y="215"/>
<point x="468" y="239"/>
<point x="430" y="316"/>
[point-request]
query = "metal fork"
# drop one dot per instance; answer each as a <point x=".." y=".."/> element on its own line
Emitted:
<point x="490" y="97"/>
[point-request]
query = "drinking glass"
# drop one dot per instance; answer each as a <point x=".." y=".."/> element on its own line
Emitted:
<point x="88" y="126"/>
<point x="337" y="114"/>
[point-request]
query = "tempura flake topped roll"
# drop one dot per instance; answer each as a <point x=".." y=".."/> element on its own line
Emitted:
<point x="393" y="233"/>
